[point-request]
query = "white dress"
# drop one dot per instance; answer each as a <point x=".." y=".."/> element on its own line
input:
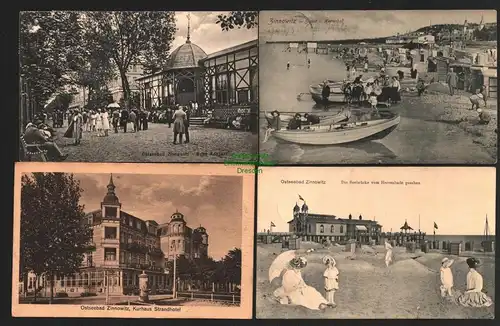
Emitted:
<point x="331" y="276"/>
<point x="105" y="120"/>
<point x="388" y="254"/>
<point x="98" y="121"/>
<point x="298" y="292"/>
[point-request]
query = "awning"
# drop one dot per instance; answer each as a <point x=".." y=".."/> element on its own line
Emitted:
<point x="361" y="228"/>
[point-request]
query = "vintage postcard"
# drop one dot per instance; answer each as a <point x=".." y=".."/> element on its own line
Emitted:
<point x="133" y="241"/>
<point x="138" y="86"/>
<point x="369" y="87"/>
<point x="381" y="243"/>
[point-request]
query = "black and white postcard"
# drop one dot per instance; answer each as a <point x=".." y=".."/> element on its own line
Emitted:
<point x="375" y="87"/>
<point x="376" y="243"/>
<point x="138" y="86"/>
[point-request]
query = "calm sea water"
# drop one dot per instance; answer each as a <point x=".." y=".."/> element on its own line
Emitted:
<point x="458" y="238"/>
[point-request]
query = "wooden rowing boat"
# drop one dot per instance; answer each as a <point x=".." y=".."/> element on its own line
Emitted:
<point x="341" y="133"/>
<point x="324" y="120"/>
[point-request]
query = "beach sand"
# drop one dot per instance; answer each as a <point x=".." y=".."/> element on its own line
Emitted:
<point x="407" y="289"/>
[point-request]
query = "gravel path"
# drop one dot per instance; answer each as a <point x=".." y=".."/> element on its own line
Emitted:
<point x="155" y="145"/>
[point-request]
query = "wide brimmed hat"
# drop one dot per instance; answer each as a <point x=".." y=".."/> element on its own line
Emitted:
<point x="446" y="262"/>
<point x="479" y="110"/>
<point x="298" y="262"/>
<point x="297" y="115"/>
<point x="329" y="260"/>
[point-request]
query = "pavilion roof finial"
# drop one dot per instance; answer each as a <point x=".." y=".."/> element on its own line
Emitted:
<point x="189" y="28"/>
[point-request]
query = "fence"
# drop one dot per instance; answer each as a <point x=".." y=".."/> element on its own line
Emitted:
<point x="215" y="297"/>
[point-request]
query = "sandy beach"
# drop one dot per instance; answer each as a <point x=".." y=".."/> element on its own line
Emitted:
<point x="407" y="289"/>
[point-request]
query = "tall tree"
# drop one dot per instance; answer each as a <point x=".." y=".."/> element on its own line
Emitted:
<point x="238" y="19"/>
<point x="231" y="266"/>
<point x="54" y="235"/>
<point x="49" y="43"/>
<point x="140" y="37"/>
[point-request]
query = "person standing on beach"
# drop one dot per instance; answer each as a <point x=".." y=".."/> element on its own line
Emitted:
<point x="288" y="65"/>
<point x="308" y="63"/>
<point x="331" y="276"/>
<point x="451" y="80"/>
<point x="388" y="253"/>
<point x="446" y="277"/>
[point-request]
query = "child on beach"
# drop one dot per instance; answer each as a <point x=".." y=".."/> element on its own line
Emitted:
<point x="331" y="276"/>
<point x="373" y="101"/>
<point x="446" y="277"/>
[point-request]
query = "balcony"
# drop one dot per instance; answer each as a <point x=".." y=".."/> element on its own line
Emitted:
<point x="111" y="263"/>
<point x="112" y="241"/>
<point x="143" y="267"/>
<point x="135" y="247"/>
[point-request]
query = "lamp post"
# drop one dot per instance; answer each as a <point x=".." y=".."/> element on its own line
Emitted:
<point x="174" y="285"/>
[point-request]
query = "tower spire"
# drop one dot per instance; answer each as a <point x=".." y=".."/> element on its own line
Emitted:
<point x="189" y="28"/>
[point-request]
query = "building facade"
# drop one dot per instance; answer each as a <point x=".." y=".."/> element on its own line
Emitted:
<point x="227" y="77"/>
<point x="178" y="239"/>
<point x="321" y="227"/>
<point x="124" y="246"/>
<point x="80" y="98"/>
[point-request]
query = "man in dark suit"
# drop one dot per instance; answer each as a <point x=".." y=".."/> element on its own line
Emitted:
<point x="124" y="119"/>
<point x="186" y="123"/>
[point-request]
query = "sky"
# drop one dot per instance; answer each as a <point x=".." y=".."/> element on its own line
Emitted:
<point x="357" y="24"/>
<point x="457" y="199"/>
<point x="215" y="202"/>
<point x="208" y="35"/>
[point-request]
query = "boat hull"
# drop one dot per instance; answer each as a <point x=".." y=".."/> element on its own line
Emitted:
<point x="335" y="97"/>
<point x="336" y="135"/>
<point x="285" y="119"/>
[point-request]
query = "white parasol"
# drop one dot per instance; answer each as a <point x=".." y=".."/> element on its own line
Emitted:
<point x="113" y="105"/>
<point x="280" y="263"/>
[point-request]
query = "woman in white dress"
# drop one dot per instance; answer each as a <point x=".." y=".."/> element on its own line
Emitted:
<point x="295" y="291"/>
<point x="93" y="118"/>
<point x="388" y="254"/>
<point x="98" y="123"/>
<point x="105" y="122"/>
<point x="474" y="295"/>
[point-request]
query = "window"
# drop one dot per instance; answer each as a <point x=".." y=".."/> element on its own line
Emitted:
<point x="110" y="233"/>
<point x="341" y="229"/>
<point x="332" y="229"/>
<point x="309" y="228"/>
<point x="321" y="229"/>
<point x="110" y="212"/>
<point x="122" y="257"/>
<point x="110" y="254"/>
<point x="130" y="222"/>
<point x="138" y="225"/>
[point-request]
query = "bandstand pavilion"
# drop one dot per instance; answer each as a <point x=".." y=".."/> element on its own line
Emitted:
<point x="226" y="77"/>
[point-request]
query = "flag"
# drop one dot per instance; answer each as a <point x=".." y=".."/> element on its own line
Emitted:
<point x="272" y="225"/>
<point x="435" y="226"/>
<point x="300" y="197"/>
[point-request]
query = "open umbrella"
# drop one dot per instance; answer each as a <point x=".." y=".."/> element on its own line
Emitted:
<point x="280" y="263"/>
<point x="113" y="105"/>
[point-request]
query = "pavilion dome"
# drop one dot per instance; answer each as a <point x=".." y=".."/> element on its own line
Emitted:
<point x="186" y="56"/>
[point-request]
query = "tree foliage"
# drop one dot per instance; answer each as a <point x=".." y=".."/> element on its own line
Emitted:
<point x="54" y="236"/>
<point x="228" y="269"/>
<point x="48" y="44"/>
<point x="238" y="19"/>
<point x="128" y="38"/>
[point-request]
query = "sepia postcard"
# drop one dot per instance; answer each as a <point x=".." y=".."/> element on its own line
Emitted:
<point x="375" y="87"/>
<point x="138" y="86"/>
<point x="133" y="241"/>
<point x="376" y="243"/>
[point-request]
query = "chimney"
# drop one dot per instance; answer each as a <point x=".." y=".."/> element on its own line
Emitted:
<point x="350" y="216"/>
<point x="360" y="217"/>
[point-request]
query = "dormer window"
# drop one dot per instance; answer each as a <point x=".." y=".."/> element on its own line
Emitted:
<point x="110" y="212"/>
